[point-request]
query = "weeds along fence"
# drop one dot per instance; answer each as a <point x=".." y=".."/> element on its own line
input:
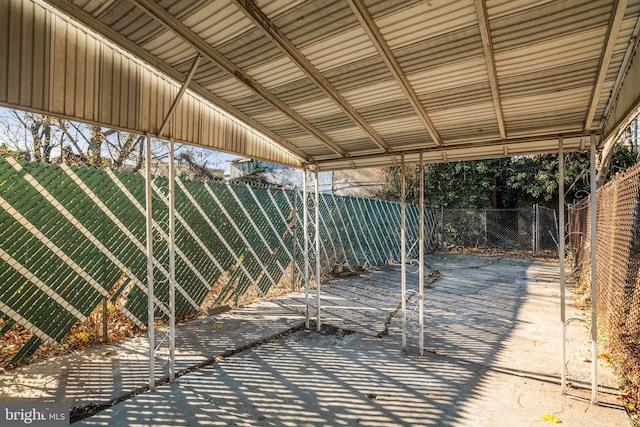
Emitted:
<point x="618" y="262"/>
<point x="72" y="236"/>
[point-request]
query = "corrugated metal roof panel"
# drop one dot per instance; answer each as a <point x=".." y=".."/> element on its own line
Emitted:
<point x="277" y="7"/>
<point x="557" y="52"/>
<point x="398" y="125"/>
<point x="312" y="146"/>
<point x="170" y="49"/>
<point x="337" y="122"/>
<point x="452" y="75"/>
<point x="373" y="94"/>
<point x="344" y="48"/>
<point x="316" y="20"/>
<point x="357" y="74"/>
<point x="229" y="89"/>
<point x="218" y="22"/>
<point x="319" y="108"/>
<point x="548" y="101"/>
<point x="549" y="80"/>
<point x="387" y="111"/>
<point x="547" y="55"/>
<point x="549" y="21"/>
<point x="276" y="73"/>
<point x="499" y="8"/>
<point x="426" y="20"/>
<point x="298" y="92"/>
<point x="453" y="47"/>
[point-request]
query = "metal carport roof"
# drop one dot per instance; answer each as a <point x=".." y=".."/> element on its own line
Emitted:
<point x="337" y="83"/>
<point x="334" y="83"/>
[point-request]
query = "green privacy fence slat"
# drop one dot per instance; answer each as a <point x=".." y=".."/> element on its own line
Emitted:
<point x="69" y="234"/>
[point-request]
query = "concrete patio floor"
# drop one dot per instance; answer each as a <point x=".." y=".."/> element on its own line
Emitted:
<point x="492" y="357"/>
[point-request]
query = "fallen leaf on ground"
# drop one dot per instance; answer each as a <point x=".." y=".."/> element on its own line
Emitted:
<point x="432" y="395"/>
<point x="626" y="396"/>
<point x="552" y="418"/>
<point x="217" y="325"/>
<point x="605" y="356"/>
<point x="630" y="406"/>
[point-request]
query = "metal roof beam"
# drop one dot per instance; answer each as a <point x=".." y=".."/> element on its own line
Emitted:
<point x="368" y="24"/>
<point x="613" y="30"/>
<point x="628" y="56"/>
<point x="181" y="92"/>
<point x="131" y="47"/>
<point x="443" y="151"/>
<point x="172" y="23"/>
<point x="487" y="46"/>
<point x="263" y="22"/>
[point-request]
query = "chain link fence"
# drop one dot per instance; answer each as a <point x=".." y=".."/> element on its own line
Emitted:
<point x="533" y="230"/>
<point x="74" y="238"/>
<point x="618" y="261"/>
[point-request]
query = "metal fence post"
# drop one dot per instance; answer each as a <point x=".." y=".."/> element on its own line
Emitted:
<point x="533" y="229"/>
<point x="317" y="242"/>
<point x="594" y="289"/>
<point x="486" y="241"/>
<point x="442" y="226"/>
<point x="104" y="319"/>
<point x="421" y="255"/>
<point x="149" y="230"/>
<point x="403" y="253"/>
<point x="172" y="263"/>
<point x="561" y="259"/>
<point x="294" y="236"/>
<point x="305" y="220"/>
<point x="537" y="228"/>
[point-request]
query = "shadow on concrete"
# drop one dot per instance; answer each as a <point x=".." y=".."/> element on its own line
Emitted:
<point x="491" y="358"/>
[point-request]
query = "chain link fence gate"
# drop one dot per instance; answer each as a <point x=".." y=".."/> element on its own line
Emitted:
<point x="533" y="230"/>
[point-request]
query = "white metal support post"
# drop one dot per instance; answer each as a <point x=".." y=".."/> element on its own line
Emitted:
<point x="294" y="228"/>
<point x="317" y="240"/>
<point x="149" y="223"/>
<point x="561" y="242"/>
<point x="421" y="255"/>
<point x="594" y="289"/>
<point x="305" y="226"/>
<point x="172" y="263"/>
<point x="403" y="252"/>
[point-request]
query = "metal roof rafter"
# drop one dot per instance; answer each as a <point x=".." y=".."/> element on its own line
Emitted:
<point x="605" y="59"/>
<point x="628" y="56"/>
<point x="487" y="46"/>
<point x="159" y="14"/>
<point x="263" y="22"/>
<point x="375" y="35"/>
<point x="503" y="144"/>
<point x="100" y="28"/>
<point x="181" y="92"/>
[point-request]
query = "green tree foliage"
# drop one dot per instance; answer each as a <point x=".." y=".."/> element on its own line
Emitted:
<point x="478" y="183"/>
<point x="501" y="183"/>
